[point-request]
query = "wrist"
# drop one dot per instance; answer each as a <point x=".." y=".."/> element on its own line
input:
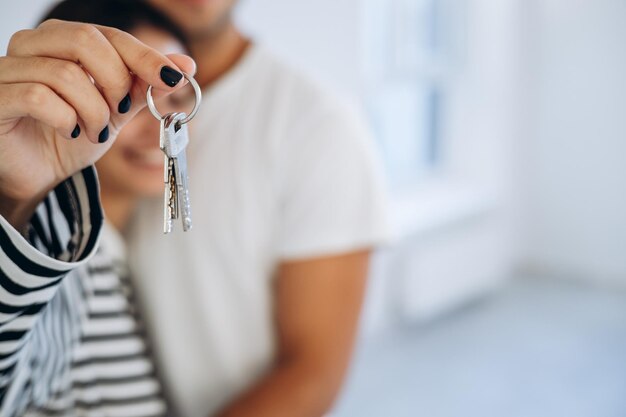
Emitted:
<point x="18" y="212"/>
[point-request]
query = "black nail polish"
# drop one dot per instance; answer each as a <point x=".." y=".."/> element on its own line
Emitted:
<point x="124" y="105"/>
<point x="170" y="76"/>
<point x="76" y="132"/>
<point x="104" y="135"/>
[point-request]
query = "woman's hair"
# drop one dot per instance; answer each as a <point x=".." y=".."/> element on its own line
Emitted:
<point x="125" y="15"/>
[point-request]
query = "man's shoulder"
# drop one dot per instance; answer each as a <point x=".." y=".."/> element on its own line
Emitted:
<point x="296" y="92"/>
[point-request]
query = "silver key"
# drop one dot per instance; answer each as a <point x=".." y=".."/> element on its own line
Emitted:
<point x="182" y="189"/>
<point x="174" y="140"/>
<point x="170" y="202"/>
<point x="169" y="196"/>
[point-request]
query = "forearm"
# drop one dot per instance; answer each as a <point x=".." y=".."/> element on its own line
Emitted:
<point x="314" y="344"/>
<point x="289" y="390"/>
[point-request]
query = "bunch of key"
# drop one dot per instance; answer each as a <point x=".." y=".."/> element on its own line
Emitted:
<point x="173" y="142"/>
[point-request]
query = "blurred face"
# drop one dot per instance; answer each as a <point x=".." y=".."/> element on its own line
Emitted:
<point x="197" y="18"/>
<point x="134" y="164"/>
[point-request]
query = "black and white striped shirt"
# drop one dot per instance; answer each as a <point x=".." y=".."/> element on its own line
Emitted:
<point x="70" y="338"/>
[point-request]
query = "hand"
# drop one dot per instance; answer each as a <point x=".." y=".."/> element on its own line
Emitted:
<point x="66" y="90"/>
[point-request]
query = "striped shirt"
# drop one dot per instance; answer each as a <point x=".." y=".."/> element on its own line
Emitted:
<point x="71" y="343"/>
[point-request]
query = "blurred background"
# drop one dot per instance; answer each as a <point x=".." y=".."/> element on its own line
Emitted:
<point x="502" y="126"/>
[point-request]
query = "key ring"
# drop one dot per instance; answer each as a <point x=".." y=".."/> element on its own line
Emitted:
<point x="196" y="106"/>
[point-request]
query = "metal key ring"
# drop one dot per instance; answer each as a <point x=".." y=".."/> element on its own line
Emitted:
<point x="196" y="106"/>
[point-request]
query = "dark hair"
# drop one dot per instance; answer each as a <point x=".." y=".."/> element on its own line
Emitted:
<point x="125" y="15"/>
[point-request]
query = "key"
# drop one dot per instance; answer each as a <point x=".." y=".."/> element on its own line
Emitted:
<point x="173" y="142"/>
<point x="169" y="204"/>
<point x="182" y="188"/>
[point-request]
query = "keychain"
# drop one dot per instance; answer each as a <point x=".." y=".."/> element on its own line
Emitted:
<point x="174" y="138"/>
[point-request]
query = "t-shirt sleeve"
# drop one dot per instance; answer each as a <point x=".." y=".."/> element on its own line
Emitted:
<point x="62" y="235"/>
<point x="333" y="197"/>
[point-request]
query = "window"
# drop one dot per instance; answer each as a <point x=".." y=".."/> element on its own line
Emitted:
<point x="411" y="47"/>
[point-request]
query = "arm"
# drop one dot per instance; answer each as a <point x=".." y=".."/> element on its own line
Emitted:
<point x="60" y="111"/>
<point x="30" y="277"/>
<point x="317" y="309"/>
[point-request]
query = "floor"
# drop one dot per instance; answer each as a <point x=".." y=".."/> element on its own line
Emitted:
<point x="535" y="349"/>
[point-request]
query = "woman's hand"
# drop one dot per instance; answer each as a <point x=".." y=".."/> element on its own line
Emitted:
<point x="66" y="90"/>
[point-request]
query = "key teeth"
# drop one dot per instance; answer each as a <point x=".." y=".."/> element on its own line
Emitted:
<point x="168" y="227"/>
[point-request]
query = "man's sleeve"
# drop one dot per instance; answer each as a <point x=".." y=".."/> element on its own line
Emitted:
<point x="62" y="235"/>
<point x="333" y="197"/>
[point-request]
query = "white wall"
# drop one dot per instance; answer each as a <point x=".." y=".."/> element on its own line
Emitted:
<point x="575" y="171"/>
<point x="455" y="262"/>
<point x="18" y="15"/>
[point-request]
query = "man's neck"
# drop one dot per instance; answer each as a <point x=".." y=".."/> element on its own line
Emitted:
<point x="217" y="53"/>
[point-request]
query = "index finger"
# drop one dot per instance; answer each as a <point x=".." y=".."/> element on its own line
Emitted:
<point x="109" y="55"/>
<point x="145" y="62"/>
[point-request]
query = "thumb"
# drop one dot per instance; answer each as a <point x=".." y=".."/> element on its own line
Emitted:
<point x="184" y="62"/>
<point x="139" y="89"/>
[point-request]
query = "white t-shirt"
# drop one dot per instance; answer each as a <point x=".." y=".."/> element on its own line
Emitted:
<point x="279" y="169"/>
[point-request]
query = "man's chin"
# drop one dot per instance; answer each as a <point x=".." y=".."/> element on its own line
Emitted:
<point x="207" y="29"/>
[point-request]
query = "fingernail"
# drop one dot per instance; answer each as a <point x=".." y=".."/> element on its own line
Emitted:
<point x="104" y="135"/>
<point x="170" y="76"/>
<point x="76" y="132"/>
<point x="124" y="105"/>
